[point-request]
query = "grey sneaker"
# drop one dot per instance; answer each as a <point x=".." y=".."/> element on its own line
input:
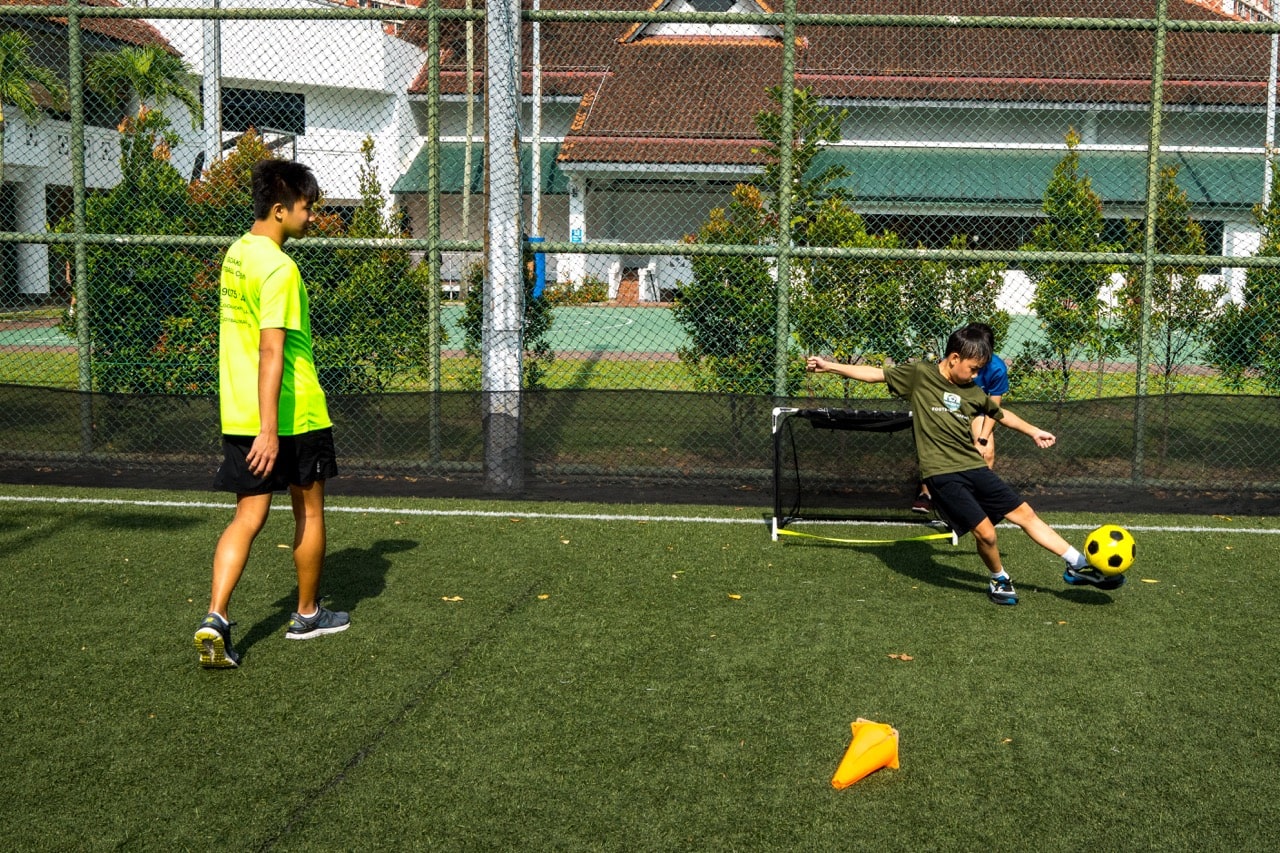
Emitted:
<point x="213" y="642"/>
<point x="1001" y="591"/>
<point x="1092" y="577"/>
<point x="322" y="622"/>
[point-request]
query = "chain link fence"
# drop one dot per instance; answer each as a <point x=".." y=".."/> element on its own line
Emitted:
<point x="591" y="241"/>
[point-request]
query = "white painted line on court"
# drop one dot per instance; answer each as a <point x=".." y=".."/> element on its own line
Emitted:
<point x="569" y="516"/>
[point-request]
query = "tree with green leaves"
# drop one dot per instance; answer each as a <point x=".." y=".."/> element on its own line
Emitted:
<point x="814" y="125"/>
<point x="140" y="296"/>
<point x="150" y="74"/>
<point x="1246" y="336"/>
<point x="1067" y="295"/>
<point x="1181" y="306"/>
<point x="849" y="308"/>
<point x="18" y="74"/>
<point x="942" y="296"/>
<point x="730" y="309"/>
<point x="370" y="327"/>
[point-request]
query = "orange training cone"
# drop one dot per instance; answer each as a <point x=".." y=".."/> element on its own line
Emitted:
<point x="875" y="745"/>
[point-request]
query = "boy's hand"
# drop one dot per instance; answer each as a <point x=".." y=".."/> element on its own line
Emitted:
<point x="988" y="450"/>
<point x="815" y="364"/>
<point x="262" y="454"/>
<point x="1043" y="438"/>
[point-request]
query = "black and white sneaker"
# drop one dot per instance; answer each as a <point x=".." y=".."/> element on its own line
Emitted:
<point x="1089" y="576"/>
<point x="1001" y="591"/>
<point x="213" y="642"/>
<point x="322" y="622"/>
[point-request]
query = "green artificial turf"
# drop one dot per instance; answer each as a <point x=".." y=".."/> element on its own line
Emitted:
<point x="514" y="682"/>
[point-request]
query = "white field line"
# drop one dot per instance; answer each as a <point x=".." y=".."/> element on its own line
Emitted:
<point x="569" y="516"/>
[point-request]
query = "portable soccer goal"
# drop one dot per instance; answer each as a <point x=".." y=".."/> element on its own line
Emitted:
<point x="845" y="465"/>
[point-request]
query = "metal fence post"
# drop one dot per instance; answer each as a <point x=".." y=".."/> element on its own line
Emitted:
<point x="433" y="228"/>
<point x="84" y="349"/>
<point x="504" y="280"/>
<point x="1143" y="349"/>
<point x="782" y="336"/>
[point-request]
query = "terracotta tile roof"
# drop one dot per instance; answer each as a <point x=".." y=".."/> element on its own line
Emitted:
<point x="1014" y="64"/>
<point x="686" y="100"/>
<point x="569" y="50"/>
<point x="644" y="112"/>
<point x="129" y="31"/>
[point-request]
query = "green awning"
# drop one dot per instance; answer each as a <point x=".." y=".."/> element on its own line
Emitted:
<point x="452" y="160"/>
<point x="973" y="176"/>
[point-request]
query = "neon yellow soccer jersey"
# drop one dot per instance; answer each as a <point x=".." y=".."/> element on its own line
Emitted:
<point x="262" y="289"/>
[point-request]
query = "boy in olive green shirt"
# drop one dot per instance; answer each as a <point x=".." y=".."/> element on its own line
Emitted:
<point x="276" y="431"/>
<point x="968" y="494"/>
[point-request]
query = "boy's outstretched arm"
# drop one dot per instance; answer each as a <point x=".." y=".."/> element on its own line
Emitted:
<point x="860" y="372"/>
<point x="1042" y="438"/>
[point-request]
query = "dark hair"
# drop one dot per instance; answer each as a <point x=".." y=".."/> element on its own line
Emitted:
<point x="988" y="332"/>
<point x="281" y="182"/>
<point x="970" y="342"/>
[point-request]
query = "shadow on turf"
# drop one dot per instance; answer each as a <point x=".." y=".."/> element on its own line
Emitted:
<point x="918" y="561"/>
<point x="350" y="576"/>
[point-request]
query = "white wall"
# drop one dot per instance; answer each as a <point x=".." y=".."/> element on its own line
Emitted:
<point x="353" y="75"/>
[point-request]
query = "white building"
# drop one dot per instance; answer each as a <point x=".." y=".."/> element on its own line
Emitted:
<point x="314" y="89"/>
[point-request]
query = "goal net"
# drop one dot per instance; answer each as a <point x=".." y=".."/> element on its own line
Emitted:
<point x="848" y="465"/>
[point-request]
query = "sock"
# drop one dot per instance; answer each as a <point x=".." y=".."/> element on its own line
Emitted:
<point x="997" y="575"/>
<point x="310" y="615"/>
<point x="1074" y="558"/>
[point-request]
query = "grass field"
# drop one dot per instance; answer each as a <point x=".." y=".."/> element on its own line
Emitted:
<point x="584" y="677"/>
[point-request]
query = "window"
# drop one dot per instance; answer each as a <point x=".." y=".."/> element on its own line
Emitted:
<point x="281" y="111"/>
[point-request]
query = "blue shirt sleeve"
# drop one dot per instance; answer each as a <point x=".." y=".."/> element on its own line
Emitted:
<point x="994" y="377"/>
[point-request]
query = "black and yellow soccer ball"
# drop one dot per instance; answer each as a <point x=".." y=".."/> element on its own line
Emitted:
<point x="1110" y="549"/>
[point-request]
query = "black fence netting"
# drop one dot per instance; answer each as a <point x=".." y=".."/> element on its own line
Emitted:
<point x="625" y="446"/>
<point x="593" y="242"/>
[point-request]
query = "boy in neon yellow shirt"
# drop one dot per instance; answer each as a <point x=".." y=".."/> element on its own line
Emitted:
<point x="276" y="431"/>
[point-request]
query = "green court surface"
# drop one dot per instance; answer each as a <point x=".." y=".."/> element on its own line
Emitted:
<point x="598" y="328"/>
<point x="542" y="676"/>
<point x="31" y="335"/>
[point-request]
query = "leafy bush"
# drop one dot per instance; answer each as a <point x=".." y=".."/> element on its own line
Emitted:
<point x="590" y="290"/>
<point x="153" y="312"/>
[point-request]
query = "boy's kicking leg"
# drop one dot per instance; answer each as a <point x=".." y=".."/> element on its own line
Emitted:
<point x="1078" y="571"/>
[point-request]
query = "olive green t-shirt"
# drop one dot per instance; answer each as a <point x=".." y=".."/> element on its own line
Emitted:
<point x="262" y="289"/>
<point x="941" y="414"/>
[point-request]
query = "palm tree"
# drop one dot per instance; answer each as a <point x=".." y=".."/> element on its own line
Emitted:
<point x="17" y="73"/>
<point x="150" y="73"/>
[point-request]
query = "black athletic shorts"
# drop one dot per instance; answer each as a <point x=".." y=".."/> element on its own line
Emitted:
<point x="302" y="460"/>
<point x="965" y="498"/>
